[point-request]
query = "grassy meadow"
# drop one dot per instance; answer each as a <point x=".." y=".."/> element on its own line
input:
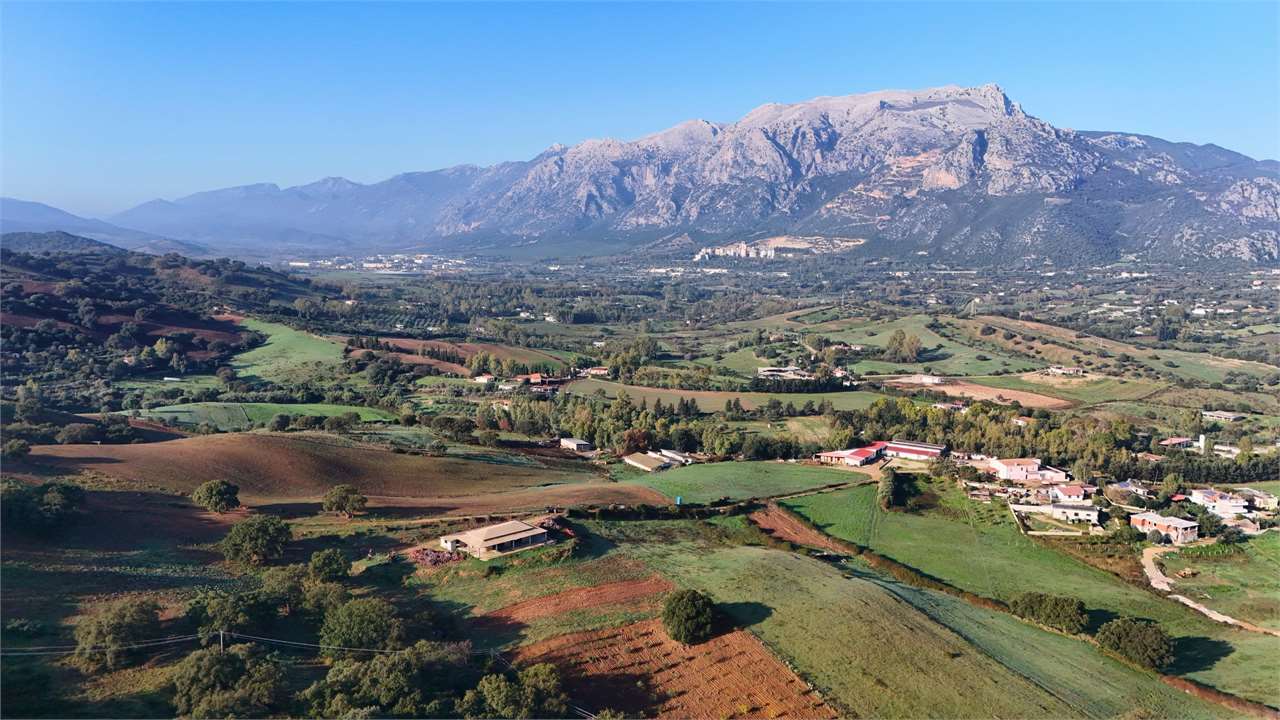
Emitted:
<point x="706" y="482"/>
<point x="712" y="400"/>
<point x="239" y="416"/>
<point x="1244" y="584"/>
<point x="978" y="548"/>
<point x="288" y="354"/>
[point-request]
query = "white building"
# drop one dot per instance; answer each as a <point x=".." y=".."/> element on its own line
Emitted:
<point x="1224" y="505"/>
<point x="1070" y="512"/>
<point x="1026" y="470"/>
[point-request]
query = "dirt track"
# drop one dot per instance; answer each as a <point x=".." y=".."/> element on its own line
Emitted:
<point x="639" y="670"/>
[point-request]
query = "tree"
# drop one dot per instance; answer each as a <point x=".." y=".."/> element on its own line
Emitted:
<point x="217" y="496"/>
<point x="103" y="640"/>
<point x="689" y="616"/>
<point x="1143" y="642"/>
<point x="241" y="682"/>
<point x="256" y="540"/>
<point x="344" y="499"/>
<point x="286" y="585"/>
<point x="40" y="507"/>
<point x="902" y="348"/>
<point x="417" y="682"/>
<point x="1155" y="537"/>
<point x="15" y="449"/>
<point x="213" y="611"/>
<point x="279" y="422"/>
<point x="329" y="565"/>
<point x="362" y="623"/>
<point x="534" y="692"/>
<point x="887" y="490"/>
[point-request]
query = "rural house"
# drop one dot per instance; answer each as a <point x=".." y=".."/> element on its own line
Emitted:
<point x="1022" y="470"/>
<point x="576" y="444"/>
<point x="1071" y="493"/>
<point x="853" y="457"/>
<point x="1074" y="513"/>
<point x="646" y="462"/>
<point x="914" y="450"/>
<point x="494" y="540"/>
<point x="1175" y="530"/>
<point x="678" y="457"/>
<point x="1259" y="499"/>
<point x="1224" y="505"/>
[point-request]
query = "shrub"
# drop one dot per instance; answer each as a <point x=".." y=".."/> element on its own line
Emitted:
<point x="103" y="640"/>
<point x="362" y="623"/>
<point x="256" y="540"/>
<point x="689" y="616"/>
<point x="1064" y="613"/>
<point x="329" y="565"/>
<point x="217" y="496"/>
<point x="39" y="507"/>
<point x="1143" y="642"/>
<point x="415" y="683"/>
<point x="241" y="682"/>
<point x="344" y="499"/>
<point x="15" y="449"/>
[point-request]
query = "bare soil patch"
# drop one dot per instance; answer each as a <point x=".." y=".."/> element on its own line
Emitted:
<point x="963" y="388"/>
<point x="781" y="525"/>
<point x="639" y="670"/>
<point x="632" y="593"/>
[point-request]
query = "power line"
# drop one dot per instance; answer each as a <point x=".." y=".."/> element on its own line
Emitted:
<point x="97" y="648"/>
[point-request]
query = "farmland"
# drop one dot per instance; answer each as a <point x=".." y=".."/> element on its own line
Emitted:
<point x="988" y="556"/>
<point x="942" y="355"/>
<point x="1244" y="584"/>
<point x="287" y="355"/>
<point x="240" y="416"/>
<point x="1084" y="391"/>
<point x="706" y="482"/>
<point x="710" y="401"/>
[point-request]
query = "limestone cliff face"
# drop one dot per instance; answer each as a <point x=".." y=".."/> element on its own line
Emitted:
<point x="956" y="171"/>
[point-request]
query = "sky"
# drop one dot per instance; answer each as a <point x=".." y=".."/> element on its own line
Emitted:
<point x="104" y="106"/>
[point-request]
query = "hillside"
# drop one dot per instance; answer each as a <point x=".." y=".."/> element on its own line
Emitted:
<point x="951" y="172"/>
<point x="33" y="217"/>
<point x="54" y="242"/>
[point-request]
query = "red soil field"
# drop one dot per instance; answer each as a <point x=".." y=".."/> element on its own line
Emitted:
<point x="782" y="526"/>
<point x="632" y="593"/>
<point x="965" y="389"/>
<point x="638" y="670"/>
<point x="279" y="468"/>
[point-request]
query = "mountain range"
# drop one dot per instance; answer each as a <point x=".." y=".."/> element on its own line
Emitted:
<point x="953" y="173"/>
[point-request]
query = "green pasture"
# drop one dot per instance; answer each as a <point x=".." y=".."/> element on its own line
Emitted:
<point x="1244" y="584"/>
<point x="288" y="355"/>
<point x="705" y="482"/>
<point x="239" y="416"/>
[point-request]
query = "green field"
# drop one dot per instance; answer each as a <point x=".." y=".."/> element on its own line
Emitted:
<point x="288" y="355"/>
<point x="952" y="358"/>
<point x="240" y="416"/>
<point x="1244" y="585"/>
<point x="186" y="383"/>
<point x="978" y="548"/>
<point x="1102" y="389"/>
<point x="883" y="650"/>
<point x="712" y="400"/>
<point x="705" y="482"/>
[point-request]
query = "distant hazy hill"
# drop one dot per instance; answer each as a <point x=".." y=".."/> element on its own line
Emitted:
<point x="34" y="217"/>
<point x="951" y="172"/>
<point x="53" y="242"/>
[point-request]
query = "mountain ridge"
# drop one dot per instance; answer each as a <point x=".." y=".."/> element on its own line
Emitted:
<point x="960" y="173"/>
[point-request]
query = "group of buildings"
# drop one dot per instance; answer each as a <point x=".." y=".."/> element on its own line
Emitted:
<point x="857" y="457"/>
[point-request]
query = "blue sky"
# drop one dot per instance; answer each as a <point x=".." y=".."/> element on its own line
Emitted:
<point x="105" y="106"/>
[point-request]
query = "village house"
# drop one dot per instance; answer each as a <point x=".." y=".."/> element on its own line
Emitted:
<point x="1133" y="487"/>
<point x="1023" y="421"/>
<point x="597" y="371"/>
<point x="1175" y="530"/>
<point x="1219" y="503"/>
<point x="1071" y="493"/>
<point x="1150" y="457"/>
<point x="1064" y="371"/>
<point x="913" y="450"/>
<point x="677" y="457"/>
<point x="1023" y="470"/>
<point x="646" y="462"/>
<point x="576" y="445"/>
<point x="952" y="406"/>
<point x="1258" y="499"/>
<point x="853" y="457"/>
<point x="483" y="379"/>
<point x="494" y="540"/>
<point x="1074" y="513"/>
<point x="1177" y="443"/>
<point x="1223" y="415"/>
<point x="790" y="372"/>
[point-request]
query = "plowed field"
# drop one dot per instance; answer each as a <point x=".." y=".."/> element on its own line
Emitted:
<point x="639" y="670"/>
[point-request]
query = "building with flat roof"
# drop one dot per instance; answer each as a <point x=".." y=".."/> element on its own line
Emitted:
<point x="1023" y="470"/>
<point x="1174" y="529"/>
<point x="647" y="462"/>
<point x="913" y="450"/>
<point x="494" y="540"/>
<point x="576" y="445"/>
